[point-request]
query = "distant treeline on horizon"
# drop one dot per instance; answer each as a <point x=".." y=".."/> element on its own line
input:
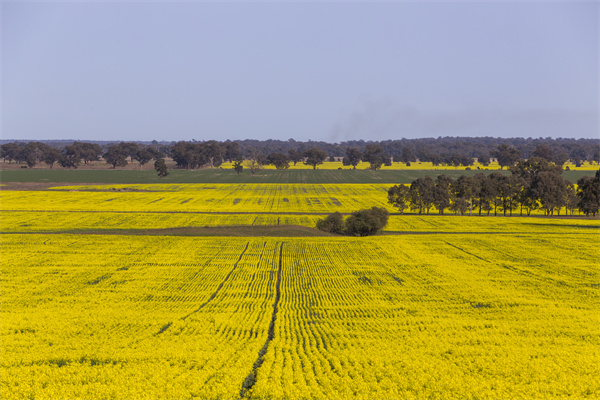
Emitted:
<point x="469" y="146"/>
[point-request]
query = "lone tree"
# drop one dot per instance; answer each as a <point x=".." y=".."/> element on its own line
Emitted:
<point x="238" y="165"/>
<point x="314" y="157"/>
<point x="353" y="157"/>
<point x="161" y="167"/>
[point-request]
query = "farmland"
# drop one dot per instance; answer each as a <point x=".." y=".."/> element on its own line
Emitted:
<point x="131" y="222"/>
<point x="226" y="174"/>
<point x="204" y="198"/>
<point x="404" y="317"/>
<point x="103" y="298"/>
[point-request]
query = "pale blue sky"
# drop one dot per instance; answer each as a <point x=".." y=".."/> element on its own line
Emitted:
<point x="322" y="71"/>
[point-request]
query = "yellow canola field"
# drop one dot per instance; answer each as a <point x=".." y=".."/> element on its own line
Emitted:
<point x="434" y="316"/>
<point x="30" y="221"/>
<point x="304" y="198"/>
<point x="64" y="221"/>
<point x="214" y="198"/>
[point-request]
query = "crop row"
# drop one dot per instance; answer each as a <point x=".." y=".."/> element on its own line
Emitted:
<point x="416" y="318"/>
<point x="101" y="318"/>
<point x="442" y="316"/>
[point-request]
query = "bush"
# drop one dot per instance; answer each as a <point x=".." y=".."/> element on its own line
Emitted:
<point x="333" y="223"/>
<point x="366" y="222"/>
<point x="360" y="223"/>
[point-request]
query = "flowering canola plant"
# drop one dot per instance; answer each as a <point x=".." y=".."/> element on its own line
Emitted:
<point x="414" y="316"/>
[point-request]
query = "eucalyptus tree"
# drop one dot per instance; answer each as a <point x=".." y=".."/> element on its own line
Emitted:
<point x="421" y="194"/>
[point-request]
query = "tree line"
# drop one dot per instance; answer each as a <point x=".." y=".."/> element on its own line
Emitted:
<point x="73" y="155"/>
<point x="196" y="154"/>
<point x="533" y="184"/>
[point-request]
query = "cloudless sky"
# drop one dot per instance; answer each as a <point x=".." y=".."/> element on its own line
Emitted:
<point x="330" y="71"/>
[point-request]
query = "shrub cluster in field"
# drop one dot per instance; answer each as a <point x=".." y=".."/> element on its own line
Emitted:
<point x="361" y="223"/>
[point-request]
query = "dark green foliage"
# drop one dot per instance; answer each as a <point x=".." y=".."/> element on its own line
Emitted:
<point x="421" y="194"/>
<point x="279" y="160"/>
<point x="9" y="151"/>
<point x="192" y="155"/>
<point x="507" y="188"/>
<point x="462" y="193"/>
<point x="486" y="193"/>
<point x="231" y="151"/>
<point x="375" y="156"/>
<point x="295" y="156"/>
<point x="441" y="193"/>
<point x="238" y="166"/>
<point x="360" y="223"/>
<point x="589" y="194"/>
<point x="353" y="157"/>
<point x="543" y="151"/>
<point x="333" y="223"/>
<point x="399" y="196"/>
<point x="366" y="222"/>
<point x="529" y="169"/>
<point x="550" y="189"/>
<point x="533" y="184"/>
<point x="117" y="155"/>
<point x="143" y="156"/>
<point x="161" y="167"/>
<point x="214" y="153"/>
<point x="407" y="156"/>
<point x="506" y="155"/>
<point x="50" y="156"/>
<point x="484" y="159"/>
<point x="314" y="157"/>
<point x="70" y="157"/>
<point x="32" y="153"/>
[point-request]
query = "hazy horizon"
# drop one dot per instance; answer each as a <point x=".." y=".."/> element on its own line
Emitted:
<point x="330" y="72"/>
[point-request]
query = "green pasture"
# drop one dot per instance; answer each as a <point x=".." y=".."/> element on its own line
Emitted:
<point x="218" y="175"/>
